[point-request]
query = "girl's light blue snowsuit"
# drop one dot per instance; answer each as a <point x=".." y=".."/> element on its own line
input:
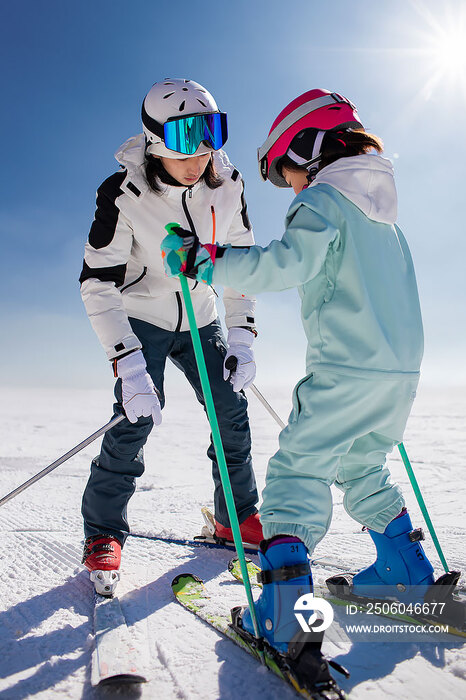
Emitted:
<point x="361" y="315"/>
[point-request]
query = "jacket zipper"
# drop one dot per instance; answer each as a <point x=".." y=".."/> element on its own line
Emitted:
<point x="186" y="210"/>
<point x="191" y="224"/>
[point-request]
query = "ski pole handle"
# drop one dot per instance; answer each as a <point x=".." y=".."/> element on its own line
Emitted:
<point x="62" y="459"/>
<point x="231" y="363"/>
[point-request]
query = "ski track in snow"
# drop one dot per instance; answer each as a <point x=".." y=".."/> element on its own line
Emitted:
<point x="46" y="608"/>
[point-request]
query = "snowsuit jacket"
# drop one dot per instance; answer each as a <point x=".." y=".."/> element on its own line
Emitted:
<point x="123" y="274"/>
<point x="353" y="270"/>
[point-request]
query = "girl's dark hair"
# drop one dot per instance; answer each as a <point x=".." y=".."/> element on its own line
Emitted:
<point x="156" y="174"/>
<point x="340" y="143"/>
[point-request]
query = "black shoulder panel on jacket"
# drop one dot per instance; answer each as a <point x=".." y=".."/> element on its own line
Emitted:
<point x="106" y="215"/>
<point x="104" y="274"/>
<point x="234" y="175"/>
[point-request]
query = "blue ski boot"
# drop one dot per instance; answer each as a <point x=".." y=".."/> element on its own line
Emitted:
<point x="286" y="576"/>
<point x="400" y="572"/>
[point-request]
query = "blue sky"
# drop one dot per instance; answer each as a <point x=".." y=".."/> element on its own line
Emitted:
<point x="74" y="75"/>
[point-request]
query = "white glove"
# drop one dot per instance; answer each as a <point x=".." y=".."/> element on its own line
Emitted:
<point x="240" y="341"/>
<point x="139" y="393"/>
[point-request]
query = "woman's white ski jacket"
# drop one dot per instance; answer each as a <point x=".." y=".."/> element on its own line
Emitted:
<point x="123" y="274"/>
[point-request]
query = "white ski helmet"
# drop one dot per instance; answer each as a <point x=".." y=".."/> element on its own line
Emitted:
<point x="181" y="120"/>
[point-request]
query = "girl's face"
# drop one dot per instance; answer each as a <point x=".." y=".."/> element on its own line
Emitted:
<point x="296" y="178"/>
<point x="186" y="171"/>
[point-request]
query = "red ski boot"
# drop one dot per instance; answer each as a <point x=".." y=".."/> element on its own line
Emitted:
<point x="102" y="557"/>
<point x="251" y="530"/>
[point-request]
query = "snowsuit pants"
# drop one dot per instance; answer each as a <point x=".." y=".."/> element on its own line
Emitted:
<point x="339" y="432"/>
<point x="112" y="480"/>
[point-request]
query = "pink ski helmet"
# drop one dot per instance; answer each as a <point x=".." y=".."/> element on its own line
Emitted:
<point x="316" y="109"/>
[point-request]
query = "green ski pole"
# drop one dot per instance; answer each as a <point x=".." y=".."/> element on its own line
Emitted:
<point x="422" y="504"/>
<point x="217" y="440"/>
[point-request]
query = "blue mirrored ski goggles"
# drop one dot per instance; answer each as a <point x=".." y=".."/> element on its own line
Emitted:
<point x="185" y="134"/>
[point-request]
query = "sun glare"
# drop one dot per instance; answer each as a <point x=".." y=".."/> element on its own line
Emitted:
<point x="449" y="53"/>
<point x="444" y="47"/>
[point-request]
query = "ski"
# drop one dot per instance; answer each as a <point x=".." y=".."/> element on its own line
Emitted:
<point x="190" y="592"/>
<point x="338" y="592"/>
<point x="217" y="543"/>
<point x="114" y="660"/>
<point x="197" y="541"/>
<point x="207" y="538"/>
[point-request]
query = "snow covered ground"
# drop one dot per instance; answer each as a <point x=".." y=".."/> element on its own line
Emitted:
<point x="46" y="599"/>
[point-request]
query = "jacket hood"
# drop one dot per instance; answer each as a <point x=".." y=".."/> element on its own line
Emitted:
<point x="367" y="181"/>
<point x="131" y="153"/>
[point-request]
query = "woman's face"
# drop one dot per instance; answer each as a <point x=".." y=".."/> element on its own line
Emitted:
<point x="186" y="171"/>
<point x="296" y="178"/>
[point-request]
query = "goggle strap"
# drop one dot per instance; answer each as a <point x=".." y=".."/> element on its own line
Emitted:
<point x="153" y="126"/>
<point x="315" y="155"/>
<point x="292" y="118"/>
<point x="317" y="144"/>
<point x="302" y="161"/>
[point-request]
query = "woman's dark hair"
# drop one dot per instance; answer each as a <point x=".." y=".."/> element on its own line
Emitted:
<point x="340" y="143"/>
<point x="156" y="173"/>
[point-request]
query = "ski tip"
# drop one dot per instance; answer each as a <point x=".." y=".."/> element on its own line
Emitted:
<point x="122" y="679"/>
<point x="233" y="563"/>
<point x="178" y="578"/>
<point x="187" y="586"/>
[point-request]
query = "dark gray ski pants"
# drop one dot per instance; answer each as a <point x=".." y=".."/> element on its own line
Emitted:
<point x="112" y="480"/>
